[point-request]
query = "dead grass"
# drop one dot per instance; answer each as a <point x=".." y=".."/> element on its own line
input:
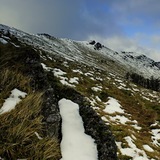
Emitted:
<point x="18" y="127"/>
<point x="120" y="132"/>
<point x="134" y="104"/>
<point x="124" y="157"/>
<point x="10" y="79"/>
<point x="17" y="132"/>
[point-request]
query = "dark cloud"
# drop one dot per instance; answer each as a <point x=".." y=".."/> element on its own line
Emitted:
<point x="56" y="17"/>
<point x="72" y="18"/>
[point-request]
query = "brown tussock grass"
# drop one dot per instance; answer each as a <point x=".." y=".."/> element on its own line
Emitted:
<point x="10" y="79"/>
<point x="18" y="127"/>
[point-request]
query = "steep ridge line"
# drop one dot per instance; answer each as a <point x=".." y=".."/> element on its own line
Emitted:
<point x="85" y="53"/>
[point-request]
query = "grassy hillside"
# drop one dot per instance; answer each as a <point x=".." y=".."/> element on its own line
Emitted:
<point x="21" y="129"/>
<point x="141" y="106"/>
<point x="24" y="125"/>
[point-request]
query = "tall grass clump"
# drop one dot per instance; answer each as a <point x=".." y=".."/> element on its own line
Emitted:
<point x="21" y="129"/>
<point x="18" y="130"/>
<point x="10" y="79"/>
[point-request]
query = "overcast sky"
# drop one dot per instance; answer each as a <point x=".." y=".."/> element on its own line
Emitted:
<point x="130" y="25"/>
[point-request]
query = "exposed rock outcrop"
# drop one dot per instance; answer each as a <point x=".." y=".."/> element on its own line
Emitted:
<point x="94" y="126"/>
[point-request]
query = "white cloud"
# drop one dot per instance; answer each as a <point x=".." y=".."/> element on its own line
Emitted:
<point x="156" y="40"/>
<point x="154" y="54"/>
<point x="117" y="43"/>
<point x="122" y="43"/>
<point x="53" y="17"/>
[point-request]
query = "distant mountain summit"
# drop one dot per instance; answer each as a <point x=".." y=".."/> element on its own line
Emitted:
<point x="90" y="53"/>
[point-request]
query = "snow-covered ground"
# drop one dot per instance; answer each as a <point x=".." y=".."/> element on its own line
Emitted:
<point x="74" y="80"/>
<point x="113" y="111"/>
<point x="117" y="115"/>
<point x="121" y="117"/>
<point x="62" y="76"/>
<point x="96" y="89"/>
<point x="45" y="67"/>
<point x="132" y="150"/>
<point x="75" y="145"/>
<point x="12" y="101"/>
<point x="3" y="41"/>
<point x="113" y="106"/>
<point x="156" y="137"/>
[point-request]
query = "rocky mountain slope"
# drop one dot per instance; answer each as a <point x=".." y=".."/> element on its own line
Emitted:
<point x="92" y="76"/>
<point x="88" y="54"/>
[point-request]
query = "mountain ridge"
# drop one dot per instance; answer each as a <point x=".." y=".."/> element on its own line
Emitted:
<point x="130" y="61"/>
<point x="96" y="80"/>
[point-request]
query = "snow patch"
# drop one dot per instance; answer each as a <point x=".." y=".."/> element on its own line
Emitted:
<point x="121" y="119"/>
<point x="156" y="136"/>
<point x="148" y="148"/>
<point x="118" y="80"/>
<point x="12" y="101"/>
<point x="17" y="46"/>
<point x="113" y="106"/>
<point x="136" y="89"/>
<point x="99" y="79"/>
<point x="58" y="72"/>
<point x="135" y="126"/>
<point x="104" y="118"/>
<point x="64" y="82"/>
<point x="96" y="89"/>
<point x="74" y="80"/>
<point x="3" y="41"/>
<point x="5" y="37"/>
<point x="98" y="99"/>
<point x="75" y="143"/>
<point x="77" y="71"/>
<point x="45" y="67"/>
<point x="88" y="74"/>
<point x="132" y="150"/>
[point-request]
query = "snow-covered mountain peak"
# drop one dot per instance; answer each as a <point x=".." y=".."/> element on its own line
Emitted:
<point x="90" y="53"/>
